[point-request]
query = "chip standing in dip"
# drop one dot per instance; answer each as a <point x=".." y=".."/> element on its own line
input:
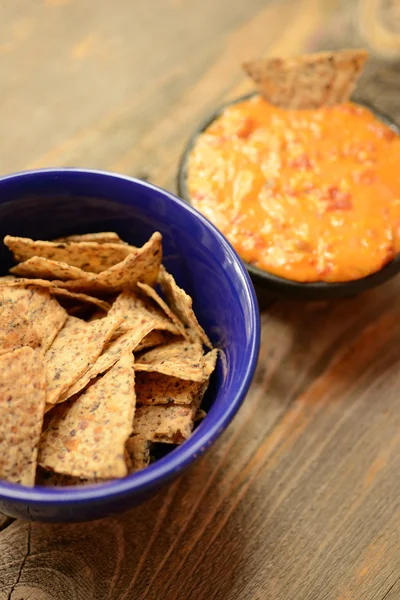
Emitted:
<point x="303" y="183"/>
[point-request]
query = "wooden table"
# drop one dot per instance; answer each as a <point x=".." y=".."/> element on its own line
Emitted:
<point x="300" y="498"/>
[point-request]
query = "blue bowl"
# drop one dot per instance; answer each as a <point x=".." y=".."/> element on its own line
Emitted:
<point x="51" y="203"/>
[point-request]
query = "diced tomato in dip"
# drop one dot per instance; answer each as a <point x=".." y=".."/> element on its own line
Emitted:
<point x="309" y="195"/>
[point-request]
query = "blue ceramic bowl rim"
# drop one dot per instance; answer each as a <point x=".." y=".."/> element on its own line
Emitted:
<point x="184" y="455"/>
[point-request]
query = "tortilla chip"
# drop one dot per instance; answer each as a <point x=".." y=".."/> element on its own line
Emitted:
<point x="138" y="449"/>
<point x="112" y="353"/>
<point x="15" y="329"/>
<point x="168" y="423"/>
<point x="181" y="304"/>
<point x="86" y="438"/>
<point x="133" y="310"/>
<point x="309" y="81"/>
<point x="51" y="479"/>
<point x="75" y="349"/>
<point x="180" y="359"/>
<point x="41" y="310"/>
<point x="22" y="400"/>
<point x="153" y="339"/>
<point x="157" y="388"/>
<point x="101" y="237"/>
<point x="143" y="266"/>
<point x="93" y="257"/>
<point x="84" y="298"/>
<point x="152" y="293"/>
<point x="45" y="268"/>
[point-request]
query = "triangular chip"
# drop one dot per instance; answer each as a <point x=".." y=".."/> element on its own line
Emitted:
<point x="138" y="449"/>
<point x="102" y="236"/>
<point x="15" y="329"/>
<point x="11" y="281"/>
<point x="82" y="298"/>
<point x="143" y="266"/>
<point x="86" y="437"/>
<point x="134" y="310"/>
<point x="51" y="479"/>
<point x="114" y="350"/>
<point x="156" y="388"/>
<point x="152" y="293"/>
<point x="153" y="339"/>
<point x="181" y="359"/>
<point x="181" y="304"/>
<point x="22" y="400"/>
<point x="74" y="350"/>
<point x="41" y="310"/>
<point x="309" y="81"/>
<point x="167" y="423"/>
<point x="93" y="257"/>
<point x="45" y="268"/>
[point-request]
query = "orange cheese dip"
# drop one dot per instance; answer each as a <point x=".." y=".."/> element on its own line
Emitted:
<point x="309" y="195"/>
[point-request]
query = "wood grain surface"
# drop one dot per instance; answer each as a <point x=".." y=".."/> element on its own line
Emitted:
<point x="300" y="498"/>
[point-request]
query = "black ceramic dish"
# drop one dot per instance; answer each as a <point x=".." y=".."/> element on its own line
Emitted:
<point x="270" y="286"/>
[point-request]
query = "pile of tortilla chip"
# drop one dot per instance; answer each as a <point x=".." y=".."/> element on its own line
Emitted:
<point x="101" y="359"/>
<point x="309" y="81"/>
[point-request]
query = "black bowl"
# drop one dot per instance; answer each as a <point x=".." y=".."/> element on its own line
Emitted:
<point x="268" y="286"/>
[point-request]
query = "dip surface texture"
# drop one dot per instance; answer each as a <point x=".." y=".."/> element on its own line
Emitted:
<point x="309" y="195"/>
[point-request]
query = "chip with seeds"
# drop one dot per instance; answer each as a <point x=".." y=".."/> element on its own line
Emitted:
<point x="41" y="310"/>
<point x="166" y="423"/>
<point x="15" y="329"/>
<point x="309" y="81"/>
<point x="138" y="449"/>
<point x="134" y="310"/>
<point x="157" y="388"/>
<point x="153" y="339"/>
<point x="74" y="351"/>
<point x="181" y="359"/>
<point x="102" y="236"/>
<point x="46" y="268"/>
<point x="22" y="400"/>
<point x="112" y="352"/>
<point x="86" y="437"/>
<point x="93" y="257"/>
<point x="51" y="479"/>
<point x="152" y="293"/>
<point x="181" y="304"/>
<point x="82" y="298"/>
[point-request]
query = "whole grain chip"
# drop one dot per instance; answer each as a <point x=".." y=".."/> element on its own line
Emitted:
<point x="45" y="268"/>
<point x="83" y="298"/>
<point x="74" y="351"/>
<point x="309" y="81"/>
<point x="152" y="339"/>
<point x="143" y="266"/>
<point x="181" y="359"/>
<point x="181" y="304"/>
<point x="138" y="449"/>
<point x="157" y="388"/>
<point x="22" y="400"/>
<point x="93" y="257"/>
<point x="134" y="311"/>
<point x="51" y="479"/>
<point x="152" y="293"/>
<point x="113" y="351"/>
<point x="168" y="423"/>
<point x="41" y="310"/>
<point x="15" y="329"/>
<point x="86" y="438"/>
<point x="102" y="236"/>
